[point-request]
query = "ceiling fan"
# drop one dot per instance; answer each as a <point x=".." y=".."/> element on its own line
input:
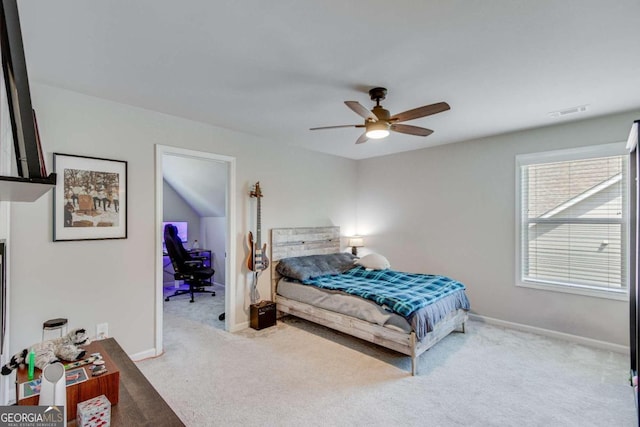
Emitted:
<point x="378" y="122"/>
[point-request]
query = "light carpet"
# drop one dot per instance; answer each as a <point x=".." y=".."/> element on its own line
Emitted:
<point x="301" y="374"/>
<point x="205" y="308"/>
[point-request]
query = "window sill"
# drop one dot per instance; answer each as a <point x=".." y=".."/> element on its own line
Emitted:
<point x="577" y="290"/>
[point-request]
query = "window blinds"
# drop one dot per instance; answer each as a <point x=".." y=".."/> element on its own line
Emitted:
<point x="573" y="228"/>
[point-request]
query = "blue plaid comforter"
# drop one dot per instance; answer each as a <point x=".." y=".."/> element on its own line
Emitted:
<point x="402" y="293"/>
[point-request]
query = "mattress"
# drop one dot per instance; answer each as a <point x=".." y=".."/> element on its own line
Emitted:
<point x="342" y="303"/>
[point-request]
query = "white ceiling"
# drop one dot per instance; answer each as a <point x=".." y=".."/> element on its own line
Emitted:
<point x="277" y="68"/>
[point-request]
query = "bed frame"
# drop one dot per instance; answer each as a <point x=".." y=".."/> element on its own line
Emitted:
<point x="292" y="242"/>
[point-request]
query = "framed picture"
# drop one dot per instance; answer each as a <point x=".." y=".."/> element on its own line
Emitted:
<point x="89" y="199"/>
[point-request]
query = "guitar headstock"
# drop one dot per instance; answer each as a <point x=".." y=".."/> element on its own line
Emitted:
<point x="256" y="191"/>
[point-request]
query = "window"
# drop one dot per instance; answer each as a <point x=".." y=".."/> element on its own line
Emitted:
<point x="572" y="220"/>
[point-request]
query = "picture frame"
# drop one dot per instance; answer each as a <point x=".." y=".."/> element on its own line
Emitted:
<point x="89" y="199"/>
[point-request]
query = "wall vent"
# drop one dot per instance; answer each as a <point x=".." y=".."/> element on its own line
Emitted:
<point x="569" y="111"/>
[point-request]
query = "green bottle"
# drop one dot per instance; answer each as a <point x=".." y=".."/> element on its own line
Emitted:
<point x="32" y="363"/>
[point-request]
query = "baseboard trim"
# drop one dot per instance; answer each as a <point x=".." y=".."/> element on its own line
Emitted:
<point x="144" y="355"/>
<point x="239" y="327"/>
<point x="553" y="334"/>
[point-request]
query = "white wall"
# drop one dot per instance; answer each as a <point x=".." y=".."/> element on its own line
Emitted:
<point x="113" y="281"/>
<point x="451" y="210"/>
<point x="213" y="238"/>
<point x="175" y="208"/>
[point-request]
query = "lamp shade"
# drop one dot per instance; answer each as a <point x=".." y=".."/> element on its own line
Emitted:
<point x="356" y="242"/>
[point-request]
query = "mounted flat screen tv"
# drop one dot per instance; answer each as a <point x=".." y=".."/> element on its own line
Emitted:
<point x="183" y="228"/>
<point x="29" y="156"/>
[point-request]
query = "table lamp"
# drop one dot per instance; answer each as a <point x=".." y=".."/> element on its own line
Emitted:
<point x="356" y="242"/>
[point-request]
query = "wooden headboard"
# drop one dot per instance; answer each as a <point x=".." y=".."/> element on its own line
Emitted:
<point x="300" y="241"/>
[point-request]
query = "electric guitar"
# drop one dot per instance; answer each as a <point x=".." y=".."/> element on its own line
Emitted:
<point x="257" y="260"/>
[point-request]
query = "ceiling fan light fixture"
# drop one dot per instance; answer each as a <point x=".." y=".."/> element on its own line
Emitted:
<point x="377" y="130"/>
<point x="378" y="122"/>
<point x="378" y="134"/>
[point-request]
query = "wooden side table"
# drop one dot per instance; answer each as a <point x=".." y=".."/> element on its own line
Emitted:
<point x="107" y="383"/>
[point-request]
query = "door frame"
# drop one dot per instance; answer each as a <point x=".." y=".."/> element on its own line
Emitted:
<point x="230" y="262"/>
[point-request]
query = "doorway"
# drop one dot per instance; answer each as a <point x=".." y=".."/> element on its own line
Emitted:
<point x="205" y="184"/>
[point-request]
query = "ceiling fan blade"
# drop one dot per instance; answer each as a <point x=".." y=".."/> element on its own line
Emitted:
<point x="423" y="111"/>
<point x="336" y="127"/>
<point x="363" y="138"/>
<point x="411" y="130"/>
<point x="360" y="110"/>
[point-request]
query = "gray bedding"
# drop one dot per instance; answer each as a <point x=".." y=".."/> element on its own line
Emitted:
<point x="306" y="267"/>
<point x="422" y="321"/>
<point x="343" y="303"/>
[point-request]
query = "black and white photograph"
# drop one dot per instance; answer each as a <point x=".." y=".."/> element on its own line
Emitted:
<point x="90" y="198"/>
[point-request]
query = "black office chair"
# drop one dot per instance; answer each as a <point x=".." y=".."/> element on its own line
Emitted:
<point x="186" y="267"/>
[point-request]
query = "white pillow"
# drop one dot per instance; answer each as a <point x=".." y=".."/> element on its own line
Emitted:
<point x="373" y="262"/>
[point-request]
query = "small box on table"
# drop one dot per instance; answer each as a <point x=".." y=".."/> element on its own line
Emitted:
<point x="94" y="412"/>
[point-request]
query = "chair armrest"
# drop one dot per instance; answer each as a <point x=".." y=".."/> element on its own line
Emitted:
<point x="193" y="263"/>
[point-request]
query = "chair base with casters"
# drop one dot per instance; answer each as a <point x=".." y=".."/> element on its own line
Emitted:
<point x="197" y="287"/>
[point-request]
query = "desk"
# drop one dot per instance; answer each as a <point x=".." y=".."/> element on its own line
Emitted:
<point x="205" y="255"/>
<point x="139" y="404"/>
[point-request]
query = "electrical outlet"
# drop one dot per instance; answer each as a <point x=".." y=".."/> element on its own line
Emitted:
<point x="102" y="331"/>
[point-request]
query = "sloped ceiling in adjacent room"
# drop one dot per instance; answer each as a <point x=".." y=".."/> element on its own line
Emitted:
<point x="201" y="183"/>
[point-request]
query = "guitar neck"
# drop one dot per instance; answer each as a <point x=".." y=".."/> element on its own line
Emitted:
<point x="258" y="227"/>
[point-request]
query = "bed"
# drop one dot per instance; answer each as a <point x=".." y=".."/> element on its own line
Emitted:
<point x="334" y="309"/>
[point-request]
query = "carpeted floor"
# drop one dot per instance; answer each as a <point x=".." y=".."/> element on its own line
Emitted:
<point x="205" y="309"/>
<point x="301" y="374"/>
